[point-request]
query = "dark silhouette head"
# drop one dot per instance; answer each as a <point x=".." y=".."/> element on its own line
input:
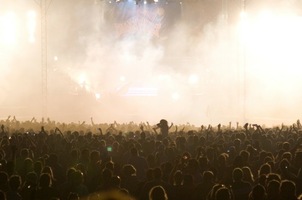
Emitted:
<point x="158" y="193"/>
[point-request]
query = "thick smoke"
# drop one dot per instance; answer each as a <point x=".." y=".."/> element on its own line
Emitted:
<point x="200" y="70"/>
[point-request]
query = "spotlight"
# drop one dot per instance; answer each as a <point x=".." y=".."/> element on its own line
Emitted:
<point x="243" y="14"/>
<point x="193" y="79"/>
<point x="175" y="96"/>
<point x="122" y="78"/>
<point x="55" y="58"/>
<point x="8" y="28"/>
<point x="97" y="95"/>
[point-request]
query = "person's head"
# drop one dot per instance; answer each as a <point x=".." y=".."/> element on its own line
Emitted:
<point x="94" y="156"/>
<point x="48" y="170"/>
<point x="237" y="174"/>
<point x="237" y="143"/>
<point x="286" y="146"/>
<point x="78" y="177"/>
<point x="69" y="173"/>
<point x="3" y="178"/>
<point x="258" y="193"/>
<point x="115" y="181"/>
<point x="134" y="151"/>
<point x="212" y="193"/>
<point x="222" y="159"/>
<point x="158" y="193"/>
<point x="265" y="169"/>
<point x="162" y="123"/>
<point x="284" y="165"/>
<point x="223" y="193"/>
<point x="109" y="165"/>
<point x="273" y="176"/>
<point x="247" y="174"/>
<point x="107" y="174"/>
<point x="2" y="195"/>
<point x="128" y="170"/>
<point x="14" y="182"/>
<point x="273" y="188"/>
<point x="24" y="153"/>
<point x="45" y="180"/>
<point x="28" y="164"/>
<point x="85" y="154"/>
<point x="74" y="154"/>
<point x="287" y="189"/>
<point x="178" y="177"/>
<point x="38" y="166"/>
<point x="208" y="176"/>
<point x="245" y="155"/>
<point x="31" y="178"/>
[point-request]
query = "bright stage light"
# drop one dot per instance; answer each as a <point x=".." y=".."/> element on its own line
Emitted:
<point x="274" y="37"/>
<point x="243" y="15"/>
<point x="97" y="96"/>
<point x="122" y="78"/>
<point x="175" y="96"/>
<point x="164" y="77"/>
<point x="31" y="25"/>
<point x="272" y="45"/>
<point x="55" y="58"/>
<point x="8" y="28"/>
<point x="83" y="81"/>
<point x="193" y="79"/>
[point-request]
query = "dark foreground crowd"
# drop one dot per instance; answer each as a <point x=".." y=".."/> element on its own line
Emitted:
<point x="48" y="160"/>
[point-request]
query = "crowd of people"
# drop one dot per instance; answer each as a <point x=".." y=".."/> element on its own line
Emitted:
<point x="47" y="160"/>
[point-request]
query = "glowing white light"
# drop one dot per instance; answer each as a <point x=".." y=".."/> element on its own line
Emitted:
<point x="175" y="96"/>
<point x="55" y="58"/>
<point x="8" y="28"/>
<point x="156" y="1"/>
<point x="273" y="46"/>
<point x="164" y="77"/>
<point x="122" y="78"/>
<point x="243" y="15"/>
<point x="97" y="95"/>
<point x="145" y="2"/>
<point x="243" y="27"/>
<point x="82" y="79"/>
<point x="180" y="3"/>
<point x="193" y="79"/>
<point x="31" y="25"/>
